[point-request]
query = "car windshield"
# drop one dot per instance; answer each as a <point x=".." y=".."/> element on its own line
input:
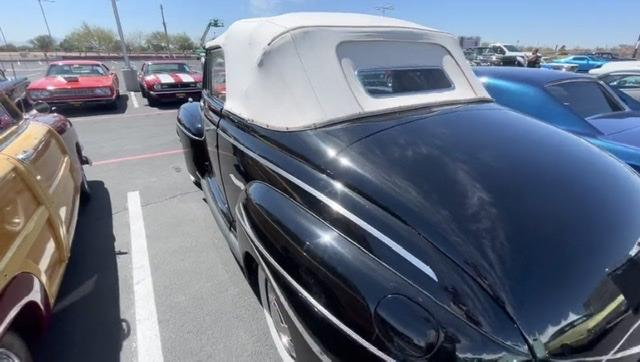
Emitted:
<point x="168" y="68"/>
<point x="511" y="48"/>
<point x="585" y="98"/>
<point x="484" y="51"/>
<point x="84" y="70"/>
<point x="396" y="81"/>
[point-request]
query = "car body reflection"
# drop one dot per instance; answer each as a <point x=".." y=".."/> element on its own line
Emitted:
<point x="616" y="297"/>
<point x="583" y="330"/>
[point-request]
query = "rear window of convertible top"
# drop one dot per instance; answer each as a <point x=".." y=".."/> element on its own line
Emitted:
<point x="392" y="81"/>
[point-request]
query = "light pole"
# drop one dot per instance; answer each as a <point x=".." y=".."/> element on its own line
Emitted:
<point x="45" y="16"/>
<point x="129" y="75"/>
<point x="121" y="34"/>
<point x="166" y="34"/>
<point x="10" y="57"/>
<point x="46" y="23"/>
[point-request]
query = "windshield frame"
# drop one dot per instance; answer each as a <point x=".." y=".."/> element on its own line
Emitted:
<point x="605" y="88"/>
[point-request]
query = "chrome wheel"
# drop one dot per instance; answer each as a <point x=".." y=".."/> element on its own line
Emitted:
<point x="275" y="318"/>
<point x="8" y="356"/>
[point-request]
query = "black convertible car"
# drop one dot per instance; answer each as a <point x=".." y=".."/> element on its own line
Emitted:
<point x="383" y="207"/>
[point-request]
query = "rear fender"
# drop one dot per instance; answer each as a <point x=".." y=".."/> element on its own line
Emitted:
<point x="24" y="291"/>
<point x="295" y="246"/>
<point x="331" y="286"/>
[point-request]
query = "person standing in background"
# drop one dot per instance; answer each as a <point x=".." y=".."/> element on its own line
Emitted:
<point x="534" y="60"/>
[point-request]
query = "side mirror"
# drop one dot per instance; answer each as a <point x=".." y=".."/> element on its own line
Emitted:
<point x="42" y="107"/>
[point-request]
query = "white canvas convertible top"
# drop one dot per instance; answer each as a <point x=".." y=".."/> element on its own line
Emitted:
<point x="299" y="70"/>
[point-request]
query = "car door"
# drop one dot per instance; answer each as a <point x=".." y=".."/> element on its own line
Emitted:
<point x="581" y="62"/>
<point x="212" y="102"/>
<point x="39" y="193"/>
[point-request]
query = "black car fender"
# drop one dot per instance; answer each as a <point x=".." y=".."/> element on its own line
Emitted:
<point x="190" y="130"/>
<point x="334" y="288"/>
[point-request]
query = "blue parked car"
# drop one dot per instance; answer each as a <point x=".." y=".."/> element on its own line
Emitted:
<point x="577" y="103"/>
<point x="584" y="62"/>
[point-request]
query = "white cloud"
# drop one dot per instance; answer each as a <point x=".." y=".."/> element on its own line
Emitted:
<point x="268" y="7"/>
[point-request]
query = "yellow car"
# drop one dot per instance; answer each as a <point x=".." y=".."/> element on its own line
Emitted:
<point x="584" y="329"/>
<point x="41" y="181"/>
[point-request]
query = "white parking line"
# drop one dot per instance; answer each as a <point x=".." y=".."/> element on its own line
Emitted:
<point x="132" y="95"/>
<point x="149" y="345"/>
<point x="613" y="351"/>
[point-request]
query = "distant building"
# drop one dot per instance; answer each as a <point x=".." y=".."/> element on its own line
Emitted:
<point x="467" y="42"/>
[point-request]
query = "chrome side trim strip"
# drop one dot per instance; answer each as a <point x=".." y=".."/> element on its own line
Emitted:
<point x="231" y="240"/>
<point x="314" y="346"/>
<point x="315" y="304"/>
<point x="337" y="207"/>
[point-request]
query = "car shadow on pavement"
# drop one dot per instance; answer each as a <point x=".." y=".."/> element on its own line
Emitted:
<point x="168" y="105"/>
<point x="86" y="324"/>
<point x="95" y="110"/>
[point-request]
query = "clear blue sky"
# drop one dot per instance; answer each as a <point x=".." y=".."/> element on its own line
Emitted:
<point x="536" y="22"/>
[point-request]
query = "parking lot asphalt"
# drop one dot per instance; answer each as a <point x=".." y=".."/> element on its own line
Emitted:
<point x="204" y="309"/>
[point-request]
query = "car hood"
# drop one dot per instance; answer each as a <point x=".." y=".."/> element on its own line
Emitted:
<point x="616" y="123"/>
<point x="71" y="82"/>
<point x="173" y="78"/>
<point x="537" y="216"/>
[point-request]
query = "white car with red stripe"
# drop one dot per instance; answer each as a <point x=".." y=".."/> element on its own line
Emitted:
<point x="169" y="81"/>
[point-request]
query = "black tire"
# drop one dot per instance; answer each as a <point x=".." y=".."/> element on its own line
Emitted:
<point x="143" y="93"/>
<point x="274" y="310"/>
<point x="152" y="102"/>
<point x="85" y="189"/>
<point x="115" y="103"/>
<point x="14" y="348"/>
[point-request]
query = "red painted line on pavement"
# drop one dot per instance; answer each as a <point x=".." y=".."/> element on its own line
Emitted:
<point x="118" y="116"/>
<point x="138" y="157"/>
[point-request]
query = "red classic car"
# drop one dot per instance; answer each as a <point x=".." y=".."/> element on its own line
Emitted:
<point x="169" y="81"/>
<point x="76" y="82"/>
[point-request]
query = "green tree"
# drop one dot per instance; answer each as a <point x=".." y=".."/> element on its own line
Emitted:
<point x="135" y="41"/>
<point x="43" y="43"/>
<point x="182" y="42"/>
<point x="8" y="47"/>
<point x="157" y="41"/>
<point x="90" y="38"/>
